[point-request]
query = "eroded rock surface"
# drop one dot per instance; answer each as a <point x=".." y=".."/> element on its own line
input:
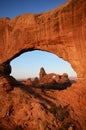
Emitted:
<point x="54" y="81"/>
<point x="5" y="68"/>
<point x="49" y="81"/>
<point x="26" y="108"/>
<point x="60" y="31"/>
<point x="42" y="73"/>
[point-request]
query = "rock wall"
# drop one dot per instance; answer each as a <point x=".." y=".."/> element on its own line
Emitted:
<point x="60" y="31"/>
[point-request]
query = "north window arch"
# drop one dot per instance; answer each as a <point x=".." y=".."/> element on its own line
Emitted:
<point x="29" y="63"/>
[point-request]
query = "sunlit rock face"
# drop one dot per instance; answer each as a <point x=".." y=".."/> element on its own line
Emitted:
<point x="60" y="31"/>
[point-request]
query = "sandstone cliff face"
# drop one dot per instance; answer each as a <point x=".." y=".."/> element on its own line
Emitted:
<point x="60" y="31"/>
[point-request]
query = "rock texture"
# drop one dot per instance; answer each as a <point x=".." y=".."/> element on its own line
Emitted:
<point x="28" y="82"/>
<point x="53" y="81"/>
<point x="42" y="73"/>
<point x="49" y="81"/>
<point x="60" y="31"/>
<point x="28" y="108"/>
<point x="5" y="69"/>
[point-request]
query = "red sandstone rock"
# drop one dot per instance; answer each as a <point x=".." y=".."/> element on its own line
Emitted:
<point x="47" y="80"/>
<point x="7" y="84"/>
<point x="64" y="78"/>
<point x="28" y="82"/>
<point x="42" y="73"/>
<point x="60" y="31"/>
<point x="55" y="81"/>
<point x="5" y="68"/>
<point x="34" y="109"/>
<point x="51" y="80"/>
<point x="35" y="81"/>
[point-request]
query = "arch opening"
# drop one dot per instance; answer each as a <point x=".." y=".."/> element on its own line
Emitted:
<point x="27" y="67"/>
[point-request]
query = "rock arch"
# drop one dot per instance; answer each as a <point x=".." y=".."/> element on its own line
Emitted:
<point x="60" y="31"/>
<point x="49" y="62"/>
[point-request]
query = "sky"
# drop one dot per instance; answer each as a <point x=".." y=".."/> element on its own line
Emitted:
<point x="12" y="8"/>
<point x="29" y="64"/>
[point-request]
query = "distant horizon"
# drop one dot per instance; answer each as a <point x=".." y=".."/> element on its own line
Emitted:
<point x="28" y="65"/>
<point x="38" y="78"/>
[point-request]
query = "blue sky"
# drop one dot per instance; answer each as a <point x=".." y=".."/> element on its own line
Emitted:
<point x="28" y="64"/>
<point x="13" y="8"/>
